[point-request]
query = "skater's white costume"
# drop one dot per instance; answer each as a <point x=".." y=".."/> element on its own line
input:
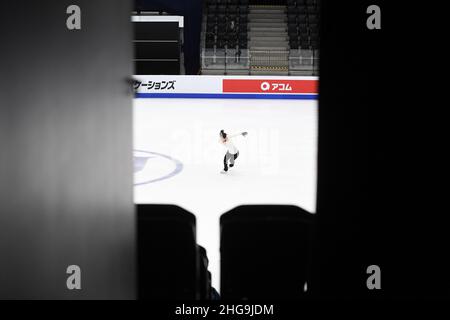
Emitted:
<point x="229" y="144"/>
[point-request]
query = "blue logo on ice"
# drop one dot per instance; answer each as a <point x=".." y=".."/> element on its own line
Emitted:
<point x="152" y="167"/>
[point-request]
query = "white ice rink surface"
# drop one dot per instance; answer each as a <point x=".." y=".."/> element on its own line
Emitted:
<point x="276" y="163"/>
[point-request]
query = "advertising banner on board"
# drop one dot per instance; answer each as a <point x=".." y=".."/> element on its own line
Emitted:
<point x="226" y="87"/>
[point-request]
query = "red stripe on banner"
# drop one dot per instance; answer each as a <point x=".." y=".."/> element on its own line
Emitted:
<point x="270" y="86"/>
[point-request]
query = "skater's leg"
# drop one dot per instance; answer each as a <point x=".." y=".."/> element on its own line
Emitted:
<point x="232" y="158"/>
<point x="225" y="162"/>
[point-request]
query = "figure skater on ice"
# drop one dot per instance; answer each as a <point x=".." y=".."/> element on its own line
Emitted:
<point x="232" y="151"/>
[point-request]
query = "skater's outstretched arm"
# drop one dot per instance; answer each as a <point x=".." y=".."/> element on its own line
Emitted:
<point x="238" y="134"/>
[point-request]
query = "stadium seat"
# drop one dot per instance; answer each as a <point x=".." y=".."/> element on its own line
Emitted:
<point x="311" y="9"/>
<point x="243" y="43"/>
<point x="211" y="16"/>
<point x="302" y="24"/>
<point x="232" y="43"/>
<point x="221" y="43"/>
<point x="221" y="9"/>
<point x="314" y="26"/>
<point x="243" y="18"/>
<point x="303" y="34"/>
<point x="265" y="252"/>
<point x="313" y="18"/>
<point x="301" y="10"/>
<point x="210" y="44"/>
<point x="314" y="34"/>
<point x="292" y="18"/>
<point x="242" y="35"/>
<point x="167" y="253"/>
<point x="242" y="28"/>
<point x="243" y="9"/>
<point x="232" y="17"/>
<point x="305" y="43"/>
<point x="222" y="27"/>
<point x="212" y="9"/>
<point x="292" y="26"/>
<point x="301" y="18"/>
<point x="302" y="28"/>
<point x="293" y="35"/>
<point x="232" y="9"/>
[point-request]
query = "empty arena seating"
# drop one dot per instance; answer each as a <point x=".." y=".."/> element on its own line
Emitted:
<point x="303" y="19"/>
<point x="170" y="263"/>
<point x="265" y="252"/>
<point x="303" y="30"/>
<point x="260" y="37"/>
<point x="224" y="37"/>
<point x="226" y="24"/>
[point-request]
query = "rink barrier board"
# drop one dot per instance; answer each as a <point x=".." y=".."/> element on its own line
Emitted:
<point x="226" y="96"/>
<point x="226" y="87"/>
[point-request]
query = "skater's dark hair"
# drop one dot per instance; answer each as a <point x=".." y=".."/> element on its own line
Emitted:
<point x="223" y="134"/>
